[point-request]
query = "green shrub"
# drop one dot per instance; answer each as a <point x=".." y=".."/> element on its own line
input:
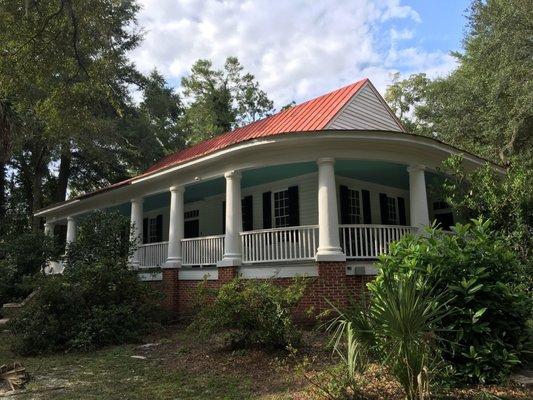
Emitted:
<point x="397" y="329"/>
<point x="21" y="257"/>
<point x="97" y="301"/>
<point x="252" y="312"/>
<point x="487" y="303"/>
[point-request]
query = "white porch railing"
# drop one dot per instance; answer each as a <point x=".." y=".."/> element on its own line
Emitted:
<point x="369" y="241"/>
<point x="153" y="255"/>
<point x="202" y="251"/>
<point x="280" y="244"/>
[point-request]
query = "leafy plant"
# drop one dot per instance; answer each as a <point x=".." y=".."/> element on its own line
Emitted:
<point x="487" y="306"/>
<point x="98" y="300"/>
<point x="21" y="257"/>
<point x="406" y="312"/>
<point x="252" y="312"/>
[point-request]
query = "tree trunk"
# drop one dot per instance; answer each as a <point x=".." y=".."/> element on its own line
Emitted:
<point x="64" y="174"/>
<point x="3" y="197"/>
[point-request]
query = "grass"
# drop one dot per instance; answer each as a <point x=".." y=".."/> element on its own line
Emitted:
<point x="175" y="365"/>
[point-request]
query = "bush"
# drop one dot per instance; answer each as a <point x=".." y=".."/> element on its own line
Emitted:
<point x="252" y="312"/>
<point x="21" y="257"/>
<point x="97" y="301"/>
<point x="398" y="329"/>
<point x="487" y="303"/>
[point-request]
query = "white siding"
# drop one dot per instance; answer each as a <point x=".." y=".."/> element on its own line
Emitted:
<point x="365" y="111"/>
<point x="210" y="209"/>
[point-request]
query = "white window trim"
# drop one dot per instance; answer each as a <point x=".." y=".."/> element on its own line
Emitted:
<point x="273" y="206"/>
<point x="396" y="211"/>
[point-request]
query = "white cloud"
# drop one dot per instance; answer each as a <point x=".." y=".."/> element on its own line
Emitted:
<point x="297" y="49"/>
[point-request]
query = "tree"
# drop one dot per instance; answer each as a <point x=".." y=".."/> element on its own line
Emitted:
<point x="64" y="67"/>
<point x="486" y="104"/>
<point x="220" y="100"/>
<point x="7" y="128"/>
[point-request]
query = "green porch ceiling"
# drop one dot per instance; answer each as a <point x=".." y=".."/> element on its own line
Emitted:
<point x="380" y="172"/>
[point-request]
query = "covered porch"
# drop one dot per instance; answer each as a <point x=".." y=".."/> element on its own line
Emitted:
<point x="326" y="210"/>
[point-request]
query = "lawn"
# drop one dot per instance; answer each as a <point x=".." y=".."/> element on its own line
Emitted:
<point x="175" y="365"/>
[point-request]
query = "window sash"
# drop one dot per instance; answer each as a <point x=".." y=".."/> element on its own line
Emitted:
<point x="354" y="206"/>
<point x="392" y="211"/>
<point x="281" y="212"/>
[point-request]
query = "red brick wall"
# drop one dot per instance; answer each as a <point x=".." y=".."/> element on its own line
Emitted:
<point x="332" y="284"/>
<point x="170" y="287"/>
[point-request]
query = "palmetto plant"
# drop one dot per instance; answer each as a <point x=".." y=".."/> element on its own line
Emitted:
<point x="404" y="314"/>
<point x="399" y="326"/>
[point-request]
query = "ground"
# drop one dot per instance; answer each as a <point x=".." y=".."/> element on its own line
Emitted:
<point x="174" y="364"/>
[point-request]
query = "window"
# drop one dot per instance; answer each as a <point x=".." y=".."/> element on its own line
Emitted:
<point x="191" y="214"/>
<point x="391" y="207"/>
<point x="281" y="209"/>
<point x="152" y="230"/>
<point x="354" y="207"/>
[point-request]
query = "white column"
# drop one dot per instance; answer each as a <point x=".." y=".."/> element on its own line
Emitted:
<point x="232" y="240"/>
<point x="329" y="248"/>
<point x="49" y="228"/>
<point x="71" y="230"/>
<point x="417" y="196"/>
<point x="136" y="233"/>
<point x="175" y="229"/>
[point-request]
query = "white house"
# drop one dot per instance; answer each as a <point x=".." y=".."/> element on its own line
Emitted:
<point x="328" y="183"/>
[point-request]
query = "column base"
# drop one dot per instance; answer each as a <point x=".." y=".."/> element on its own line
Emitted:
<point x="334" y="254"/>
<point x="135" y="265"/>
<point x="230" y="262"/>
<point x="172" y="263"/>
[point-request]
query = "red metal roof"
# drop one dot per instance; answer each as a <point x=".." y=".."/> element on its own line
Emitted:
<point x="313" y="115"/>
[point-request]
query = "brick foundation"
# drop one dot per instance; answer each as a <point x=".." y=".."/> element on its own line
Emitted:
<point x="332" y="284"/>
<point x="226" y="274"/>
<point x="170" y="286"/>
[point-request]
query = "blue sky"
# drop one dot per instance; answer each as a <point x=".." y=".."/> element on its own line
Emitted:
<point x="442" y="23"/>
<point x="299" y="49"/>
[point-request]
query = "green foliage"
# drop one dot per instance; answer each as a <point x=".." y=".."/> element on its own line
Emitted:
<point x="406" y="313"/>
<point x="506" y="200"/>
<point x="222" y="99"/>
<point x="21" y="257"/>
<point x="487" y="304"/>
<point x="486" y="104"/>
<point x="398" y="328"/>
<point x="98" y="301"/>
<point x="251" y="312"/>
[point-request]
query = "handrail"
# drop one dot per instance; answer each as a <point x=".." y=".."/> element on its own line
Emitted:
<point x="280" y="244"/>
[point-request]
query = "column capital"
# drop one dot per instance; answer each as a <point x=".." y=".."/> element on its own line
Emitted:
<point x="325" y="161"/>
<point x="232" y="175"/>
<point x="416" y="168"/>
<point x="177" y="189"/>
<point x="70" y="218"/>
<point x="139" y="200"/>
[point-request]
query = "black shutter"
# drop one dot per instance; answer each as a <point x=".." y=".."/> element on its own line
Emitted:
<point x="223" y="217"/>
<point x="294" y="206"/>
<point x="248" y="213"/>
<point x="159" y="228"/>
<point x="367" y="213"/>
<point x="345" y="204"/>
<point x="401" y="211"/>
<point x="383" y="208"/>
<point x="267" y="210"/>
<point x="145" y="230"/>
